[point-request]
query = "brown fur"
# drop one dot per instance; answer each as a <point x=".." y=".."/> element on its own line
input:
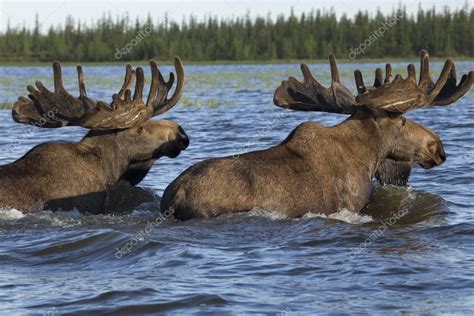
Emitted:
<point x="67" y="175"/>
<point x="392" y="172"/>
<point x="319" y="169"/>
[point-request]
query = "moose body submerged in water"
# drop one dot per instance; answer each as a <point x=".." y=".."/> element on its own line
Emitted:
<point x="121" y="146"/>
<point x="324" y="169"/>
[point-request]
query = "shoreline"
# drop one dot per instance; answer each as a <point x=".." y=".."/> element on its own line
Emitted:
<point x="231" y="62"/>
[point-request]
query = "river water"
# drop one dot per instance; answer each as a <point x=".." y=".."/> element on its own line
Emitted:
<point x="412" y="252"/>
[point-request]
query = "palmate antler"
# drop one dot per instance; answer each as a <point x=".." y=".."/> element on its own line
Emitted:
<point x="397" y="95"/>
<point x="310" y="95"/>
<point x="56" y="109"/>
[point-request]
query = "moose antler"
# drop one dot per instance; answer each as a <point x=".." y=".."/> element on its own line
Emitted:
<point x="402" y="95"/>
<point x="56" y="109"/>
<point x="378" y="81"/>
<point x="397" y="95"/>
<point x="310" y="95"/>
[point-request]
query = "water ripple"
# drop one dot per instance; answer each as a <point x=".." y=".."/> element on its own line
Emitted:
<point x="253" y="263"/>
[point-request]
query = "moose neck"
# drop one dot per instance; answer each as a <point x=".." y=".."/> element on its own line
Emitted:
<point x="345" y="157"/>
<point x="107" y="152"/>
<point x="366" y="140"/>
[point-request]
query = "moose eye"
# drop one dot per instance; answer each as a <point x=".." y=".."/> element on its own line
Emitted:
<point x="404" y="121"/>
<point x="140" y="129"/>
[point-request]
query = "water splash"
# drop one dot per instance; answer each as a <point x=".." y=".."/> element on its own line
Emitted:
<point x="343" y="215"/>
<point x="11" y="214"/>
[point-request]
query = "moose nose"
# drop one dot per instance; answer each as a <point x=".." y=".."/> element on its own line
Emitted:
<point x="439" y="158"/>
<point x="183" y="138"/>
<point x="185" y="141"/>
<point x="182" y="141"/>
<point x="442" y="156"/>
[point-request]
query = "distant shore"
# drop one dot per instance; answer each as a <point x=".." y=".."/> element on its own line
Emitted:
<point x="234" y="62"/>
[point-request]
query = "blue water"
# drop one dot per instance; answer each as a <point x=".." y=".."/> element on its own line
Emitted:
<point x="411" y="253"/>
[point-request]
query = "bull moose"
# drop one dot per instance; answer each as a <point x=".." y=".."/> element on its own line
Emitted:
<point x="324" y="169"/>
<point x="121" y="145"/>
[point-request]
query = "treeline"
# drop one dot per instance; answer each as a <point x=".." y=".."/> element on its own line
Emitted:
<point x="312" y="35"/>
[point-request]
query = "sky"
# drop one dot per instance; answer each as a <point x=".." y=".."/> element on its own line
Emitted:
<point x="54" y="12"/>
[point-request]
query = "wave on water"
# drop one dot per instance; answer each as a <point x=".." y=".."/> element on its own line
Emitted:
<point x="10" y="214"/>
<point x="417" y="206"/>
<point x="14" y="219"/>
<point x="273" y="215"/>
<point x="343" y="215"/>
<point x="146" y="204"/>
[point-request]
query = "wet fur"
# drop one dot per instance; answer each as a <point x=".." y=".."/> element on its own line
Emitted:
<point x="317" y="168"/>
<point x="391" y="172"/>
<point x="304" y="173"/>
<point x="68" y="175"/>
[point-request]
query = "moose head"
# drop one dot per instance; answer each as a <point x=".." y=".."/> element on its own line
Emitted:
<point x="385" y="102"/>
<point x="125" y="121"/>
<point x="317" y="168"/>
<point x="122" y="143"/>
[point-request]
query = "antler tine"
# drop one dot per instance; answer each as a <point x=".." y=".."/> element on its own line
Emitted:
<point x="452" y="74"/>
<point x="443" y="77"/>
<point x="425" y="78"/>
<point x="307" y="75"/>
<point x="40" y="88"/>
<point x="450" y="92"/>
<point x="163" y="88"/>
<point x="411" y="73"/>
<point x="128" y="96"/>
<point x="359" y="82"/>
<point x="334" y="70"/>
<point x="165" y="105"/>
<point x="58" y="77"/>
<point x="378" y="81"/>
<point x="388" y="73"/>
<point x="128" y="80"/>
<point x="87" y="102"/>
<point x="310" y="95"/>
<point x="152" y="94"/>
<point x="170" y="82"/>
<point x="80" y="80"/>
<point x="139" y="84"/>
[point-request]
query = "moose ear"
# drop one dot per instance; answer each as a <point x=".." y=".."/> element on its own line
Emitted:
<point x="393" y="172"/>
